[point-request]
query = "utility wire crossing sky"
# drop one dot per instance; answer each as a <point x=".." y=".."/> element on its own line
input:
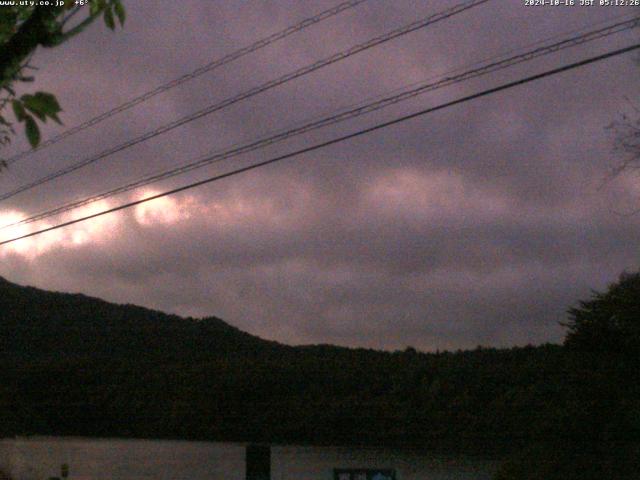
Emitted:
<point x="480" y="225"/>
<point x="374" y="42"/>
<point x="445" y="81"/>
<point x="338" y="140"/>
<point x="307" y="22"/>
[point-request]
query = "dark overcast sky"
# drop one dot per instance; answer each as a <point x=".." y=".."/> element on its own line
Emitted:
<point x="479" y="224"/>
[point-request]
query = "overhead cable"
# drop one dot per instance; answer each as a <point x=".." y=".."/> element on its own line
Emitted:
<point x="231" y="57"/>
<point x="431" y="19"/>
<point x="334" y="141"/>
<point x="340" y="117"/>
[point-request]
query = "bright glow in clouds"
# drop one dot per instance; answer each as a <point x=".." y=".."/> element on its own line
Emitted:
<point x="436" y="194"/>
<point x="29" y="247"/>
<point x="99" y="230"/>
<point x="399" y="190"/>
<point x="95" y="230"/>
<point x="163" y="210"/>
<point x="231" y="211"/>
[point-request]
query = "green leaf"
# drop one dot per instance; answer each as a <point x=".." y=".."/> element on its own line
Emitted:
<point x="42" y="105"/>
<point x="32" y="130"/>
<point x="18" y="110"/>
<point x="7" y="24"/>
<point x="55" y="118"/>
<point x="96" y="6"/>
<point x="109" y="20"/>
<point x="50" y="100"/>
<point x="36" y="107"/>
<point x="120" y="11"/>
<point x="24" y="12"/>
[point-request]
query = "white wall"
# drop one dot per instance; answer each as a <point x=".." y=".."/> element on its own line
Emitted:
<point x="6" y="456"/>
<point x="40" y="458"/>
<point x="294" y="463"/>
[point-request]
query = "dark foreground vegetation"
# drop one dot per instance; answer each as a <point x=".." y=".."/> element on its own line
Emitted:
<point x="74" y="365"/>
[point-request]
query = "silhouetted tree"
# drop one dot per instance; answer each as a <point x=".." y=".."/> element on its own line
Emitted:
<point x="599" y="408"/>
<point x="609" y="321"/>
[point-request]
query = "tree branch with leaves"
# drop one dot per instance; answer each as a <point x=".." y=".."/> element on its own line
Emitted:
<point x="23" y="29"/>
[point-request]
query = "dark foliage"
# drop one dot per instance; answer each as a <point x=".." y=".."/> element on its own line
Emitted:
<point x="74" y="365"/>
<point x="609" y="321"/>
<point x="603" y="389"/>
<point x="25" y="27"/>
<point x="574" y="461"/>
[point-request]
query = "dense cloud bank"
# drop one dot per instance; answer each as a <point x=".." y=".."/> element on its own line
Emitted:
<point x="480" y="224"/>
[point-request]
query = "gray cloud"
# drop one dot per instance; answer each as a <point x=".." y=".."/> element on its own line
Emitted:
<point x="480" y="224"/>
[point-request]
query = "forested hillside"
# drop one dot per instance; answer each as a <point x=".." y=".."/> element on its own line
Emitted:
<point x="74" y="365"/>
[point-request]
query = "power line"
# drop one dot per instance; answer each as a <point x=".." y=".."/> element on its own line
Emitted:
<point x="231" y="57"/>
<point x="429" y="20"/>
<point x="362" y="109"/>
<point x="343" y="138"/>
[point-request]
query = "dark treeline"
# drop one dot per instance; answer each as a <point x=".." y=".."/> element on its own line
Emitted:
<point x="74" y="365"/>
